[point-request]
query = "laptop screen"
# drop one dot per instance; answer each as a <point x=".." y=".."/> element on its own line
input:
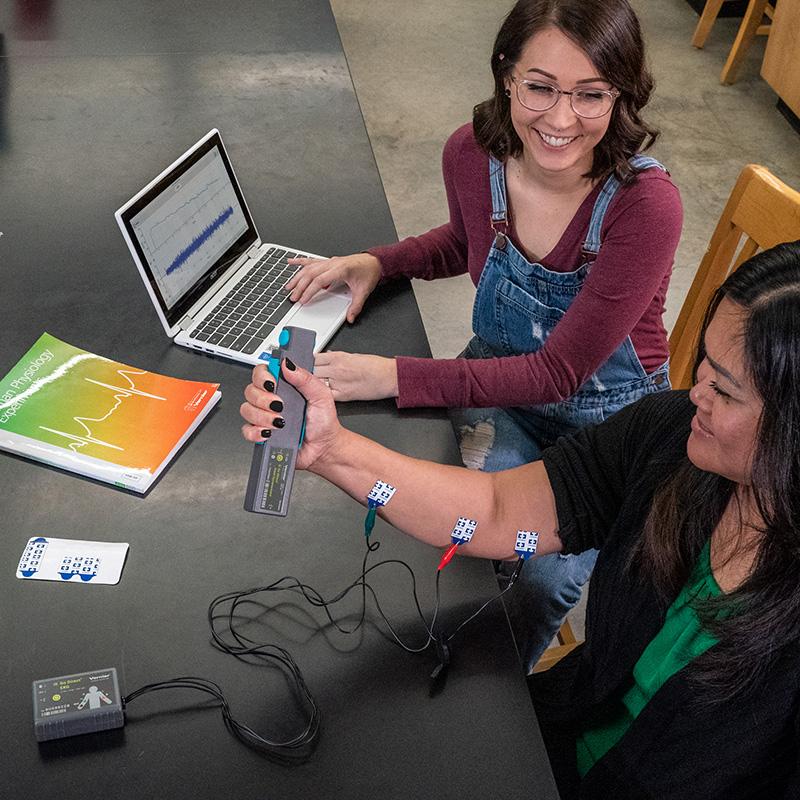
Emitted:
<point x="188" y="226"/>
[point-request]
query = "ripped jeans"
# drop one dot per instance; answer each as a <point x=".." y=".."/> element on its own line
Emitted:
<point x="491" y="439"/>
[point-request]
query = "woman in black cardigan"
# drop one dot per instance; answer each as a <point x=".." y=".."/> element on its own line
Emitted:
<point x="687" y="684"/>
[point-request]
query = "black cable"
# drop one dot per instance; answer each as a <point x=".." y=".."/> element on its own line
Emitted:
<point x="472" y="616"/>
<point x="315" y="599"/>
<point x="299" y="747"/>
<point x="294" y="750"/>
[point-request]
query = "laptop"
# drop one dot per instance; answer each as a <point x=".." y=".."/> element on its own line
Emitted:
<point x="215" y="285"/>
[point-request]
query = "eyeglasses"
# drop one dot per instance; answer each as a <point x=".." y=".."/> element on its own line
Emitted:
<point x="588" y="103"/>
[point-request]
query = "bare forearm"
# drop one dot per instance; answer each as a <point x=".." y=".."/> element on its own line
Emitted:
<point x="430" y="497"/>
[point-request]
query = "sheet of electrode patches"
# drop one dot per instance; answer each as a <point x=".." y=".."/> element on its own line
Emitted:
<point x="72" y="561"/>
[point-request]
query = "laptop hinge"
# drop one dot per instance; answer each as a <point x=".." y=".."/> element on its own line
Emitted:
<point x="253" y="251"/>
<point x="186" y="323"/>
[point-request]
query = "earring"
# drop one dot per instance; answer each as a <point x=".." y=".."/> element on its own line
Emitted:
<point x="508" y="92"/>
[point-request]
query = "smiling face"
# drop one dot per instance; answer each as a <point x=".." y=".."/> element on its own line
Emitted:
<point x="557" y="140"/>
<point x="725" y="425"/>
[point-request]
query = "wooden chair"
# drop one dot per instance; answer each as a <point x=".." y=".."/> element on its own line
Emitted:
<point x="566" y="642"/>
<point x="761" y="212"/>
<point x="750" y="27"/>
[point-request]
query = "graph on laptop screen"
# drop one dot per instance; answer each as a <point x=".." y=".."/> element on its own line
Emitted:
<point x="189" y="226"/>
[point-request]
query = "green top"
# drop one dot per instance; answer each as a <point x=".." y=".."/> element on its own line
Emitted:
<point x="681" y="640"/>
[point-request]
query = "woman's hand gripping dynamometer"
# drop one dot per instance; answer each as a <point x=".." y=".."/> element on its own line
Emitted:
<point x="262" y="407"/>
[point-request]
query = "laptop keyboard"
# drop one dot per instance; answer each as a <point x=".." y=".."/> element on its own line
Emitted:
<point x="253" y="307"/>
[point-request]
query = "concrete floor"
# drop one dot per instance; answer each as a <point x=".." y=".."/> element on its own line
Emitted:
<point x="420" y="66"/>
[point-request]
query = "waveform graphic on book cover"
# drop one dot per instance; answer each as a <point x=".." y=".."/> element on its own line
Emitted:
<point x="77" y="441"/>
<point x="199" y="240"/>
<point x="87" y="414"/>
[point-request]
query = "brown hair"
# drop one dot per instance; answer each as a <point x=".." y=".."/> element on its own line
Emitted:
<point x="609" y="33"/>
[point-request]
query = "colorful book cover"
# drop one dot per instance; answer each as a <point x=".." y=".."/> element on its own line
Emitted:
<point x="94" y="416"/>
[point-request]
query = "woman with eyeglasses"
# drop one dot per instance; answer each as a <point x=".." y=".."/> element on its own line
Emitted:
<point x="569" y="235"/>
<point x="687" y="684"/>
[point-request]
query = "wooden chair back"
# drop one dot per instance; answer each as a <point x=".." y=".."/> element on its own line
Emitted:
<point x="761" y="212"/>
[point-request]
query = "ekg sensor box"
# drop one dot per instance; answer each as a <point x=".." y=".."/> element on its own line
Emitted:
<point x="73" y="704"/>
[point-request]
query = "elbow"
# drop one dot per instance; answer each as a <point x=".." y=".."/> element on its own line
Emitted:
<point x="564" y="382"/>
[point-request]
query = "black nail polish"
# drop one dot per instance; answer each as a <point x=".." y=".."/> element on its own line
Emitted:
<point x="276" y="405"/>
<point x="279" y="422"/>
<point x="269" y="386"/>
<point x="266" y="433"/>
<point x="290" y="364"/>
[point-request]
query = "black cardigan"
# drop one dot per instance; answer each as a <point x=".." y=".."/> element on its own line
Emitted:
<point x="604" y="479"/>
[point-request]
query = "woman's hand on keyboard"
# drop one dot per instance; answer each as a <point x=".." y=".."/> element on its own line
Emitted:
<point x="360" y="272"/>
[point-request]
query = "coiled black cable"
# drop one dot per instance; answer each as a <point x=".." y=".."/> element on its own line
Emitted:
<point x="299" y="747"/>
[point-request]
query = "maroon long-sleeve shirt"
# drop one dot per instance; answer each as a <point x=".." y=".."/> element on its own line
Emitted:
<point x="623" y="295"/>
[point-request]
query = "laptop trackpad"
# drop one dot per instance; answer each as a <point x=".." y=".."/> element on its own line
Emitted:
<point x="323" y="314"/>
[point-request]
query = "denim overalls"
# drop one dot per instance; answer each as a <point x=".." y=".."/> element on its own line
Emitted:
<point x="518" y="303"/>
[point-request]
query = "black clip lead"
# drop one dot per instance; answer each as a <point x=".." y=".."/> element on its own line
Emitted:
<point x="439" y="674"/>
<point x="525" y="548"/>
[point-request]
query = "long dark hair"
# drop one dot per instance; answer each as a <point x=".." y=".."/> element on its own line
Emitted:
<point x="609" y="33"/>
<point x="754" y="622"/>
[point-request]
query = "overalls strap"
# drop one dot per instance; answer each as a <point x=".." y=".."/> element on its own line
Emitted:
<point x="498" y="185"/>
<point x="592" y="244"/>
